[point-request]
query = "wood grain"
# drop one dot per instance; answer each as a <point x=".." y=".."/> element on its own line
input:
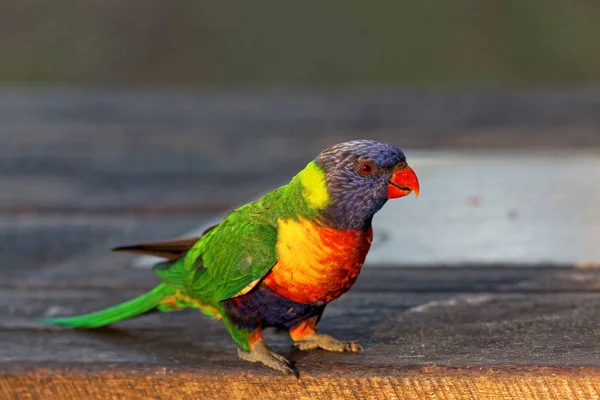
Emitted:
<point x="510" y="341"/>
<point x="408" y="383"/>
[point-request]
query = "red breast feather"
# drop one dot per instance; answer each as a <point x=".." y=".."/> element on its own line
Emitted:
<point x="316" y="263"/>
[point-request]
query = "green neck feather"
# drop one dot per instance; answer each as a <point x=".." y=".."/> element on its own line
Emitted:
<point x="305" y="196"/>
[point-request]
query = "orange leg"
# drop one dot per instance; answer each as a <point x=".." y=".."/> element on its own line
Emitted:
<point x="305" y="329"/>
<point x="255" y="337"/>
<point x="305" y="336"/>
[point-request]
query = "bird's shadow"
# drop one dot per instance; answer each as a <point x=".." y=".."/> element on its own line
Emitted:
<point x="188" y="339"/>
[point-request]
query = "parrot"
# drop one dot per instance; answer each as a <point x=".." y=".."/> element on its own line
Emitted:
<point x="279" y="260"/>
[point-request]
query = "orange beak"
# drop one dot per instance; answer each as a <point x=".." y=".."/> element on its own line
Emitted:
<point x="403" y="182"/>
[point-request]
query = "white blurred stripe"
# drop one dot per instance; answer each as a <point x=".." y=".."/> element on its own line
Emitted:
<point x="507" y="207"/>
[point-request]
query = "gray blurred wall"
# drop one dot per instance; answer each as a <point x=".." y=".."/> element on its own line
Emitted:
<point x="431" y="43"/>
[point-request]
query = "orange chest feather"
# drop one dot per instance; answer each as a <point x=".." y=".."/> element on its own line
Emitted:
<point x="315" y="263"/>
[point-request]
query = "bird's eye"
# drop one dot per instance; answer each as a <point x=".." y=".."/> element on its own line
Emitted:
<point x="366" y="169"/>
<point x="402" y="164"/>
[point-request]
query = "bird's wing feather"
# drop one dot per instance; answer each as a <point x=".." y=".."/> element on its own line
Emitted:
<point x="230" y="257"/>
<point x="234" y="255"/>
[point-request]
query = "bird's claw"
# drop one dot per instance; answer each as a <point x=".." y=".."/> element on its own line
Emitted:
<point x="329" y="343"/>
<point x="260" y="353"/>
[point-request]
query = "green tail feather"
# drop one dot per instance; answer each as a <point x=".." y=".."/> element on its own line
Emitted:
<point x="128" y="309"/>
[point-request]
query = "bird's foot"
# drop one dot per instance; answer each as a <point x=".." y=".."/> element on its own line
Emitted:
<point x="260" y="353"/>
<point x="329" y="343"/>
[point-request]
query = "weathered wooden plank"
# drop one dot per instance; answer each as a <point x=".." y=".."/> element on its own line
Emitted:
<point x="406" y="383"/>
<point x="181" y="338"/>
<point x="123" y="194"/>
<point x="396" y="328"/>
<point x="103" y="269"/>
<point x="486" y="345"/>
<point x="582" y="278"/>
<point x="84" y="149"/>
<point x="236" y="118"/>
<point x="36" y="245"/>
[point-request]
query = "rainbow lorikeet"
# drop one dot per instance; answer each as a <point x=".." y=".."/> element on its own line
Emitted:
<point x="277" y="261"/>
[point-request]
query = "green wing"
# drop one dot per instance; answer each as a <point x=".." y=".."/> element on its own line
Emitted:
<point x="232" y="256"/>
<point x="227" y="258"/>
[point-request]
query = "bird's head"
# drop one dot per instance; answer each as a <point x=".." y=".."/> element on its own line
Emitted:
<point x="359" y="177"/>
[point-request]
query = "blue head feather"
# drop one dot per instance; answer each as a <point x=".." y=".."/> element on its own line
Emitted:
<point x="354" y="196"/>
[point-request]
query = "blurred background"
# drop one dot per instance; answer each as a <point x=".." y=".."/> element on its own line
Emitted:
<point x="127" y="121"/>
<point x="311" y="44"/>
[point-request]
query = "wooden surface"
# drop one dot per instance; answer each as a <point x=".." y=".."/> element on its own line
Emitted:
<point x="474" y="332"/>
<point x="118" y="169"/>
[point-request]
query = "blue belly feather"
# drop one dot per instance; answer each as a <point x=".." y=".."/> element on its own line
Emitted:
<point x="262" y="308"/>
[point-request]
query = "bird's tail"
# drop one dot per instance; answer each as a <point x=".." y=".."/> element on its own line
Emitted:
<point x="129" y="309"/>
